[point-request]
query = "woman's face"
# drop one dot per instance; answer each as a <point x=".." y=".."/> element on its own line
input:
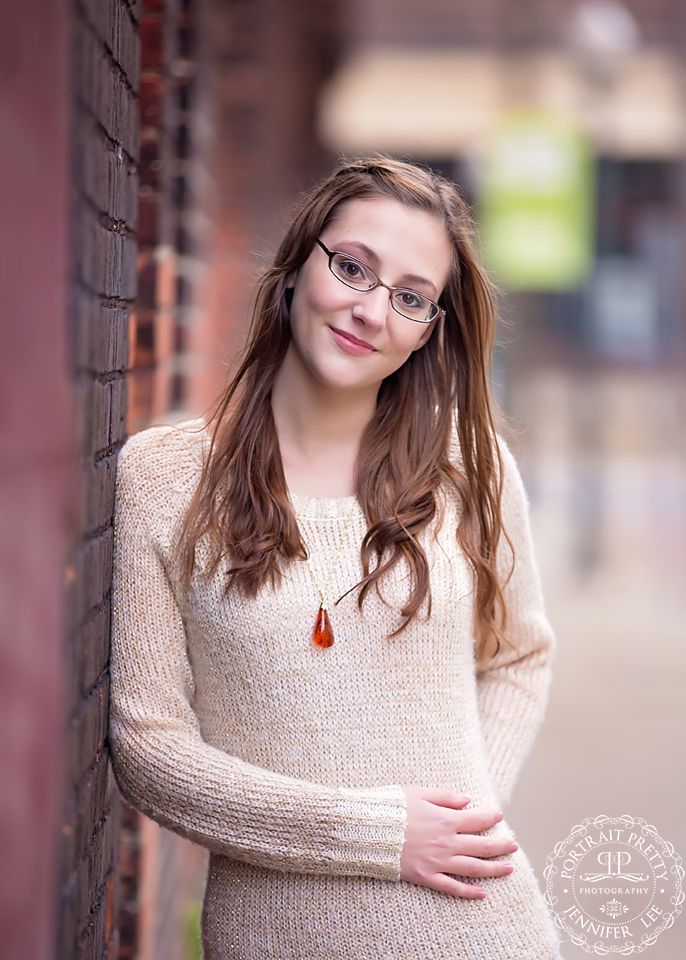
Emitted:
<point x="351" y="340"/>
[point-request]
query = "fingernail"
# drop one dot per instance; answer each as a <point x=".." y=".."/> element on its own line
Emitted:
<point x="481" y="893"/>
<point x="515" y="846"/>
<point x="508" y="869"/>
<point x="499" y="818"/>
<point x="465" y="798"/>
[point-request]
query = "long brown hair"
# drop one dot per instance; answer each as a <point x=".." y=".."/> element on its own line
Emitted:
<point x="242" y="503"/>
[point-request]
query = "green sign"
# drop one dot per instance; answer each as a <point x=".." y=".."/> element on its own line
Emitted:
<point x="536" y="203"/>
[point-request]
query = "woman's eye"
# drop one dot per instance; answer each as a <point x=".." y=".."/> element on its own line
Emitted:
<point x="351" y="269"/>
<point x="409" y="299"/>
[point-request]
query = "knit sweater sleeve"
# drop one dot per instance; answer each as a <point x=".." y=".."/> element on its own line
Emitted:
<point x="513" y="687"/>
<point x="166" y="769"/>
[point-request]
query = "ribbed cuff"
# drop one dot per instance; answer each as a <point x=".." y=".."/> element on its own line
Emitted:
<point x="370" y="832"/>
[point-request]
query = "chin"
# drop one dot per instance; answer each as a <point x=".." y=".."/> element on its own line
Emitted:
<point x="347" y="384"/>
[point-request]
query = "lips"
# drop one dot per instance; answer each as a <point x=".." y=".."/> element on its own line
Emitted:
<point x="351" y="344"/>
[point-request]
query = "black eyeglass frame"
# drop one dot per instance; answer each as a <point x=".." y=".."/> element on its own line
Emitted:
<point x="440" y="312"/>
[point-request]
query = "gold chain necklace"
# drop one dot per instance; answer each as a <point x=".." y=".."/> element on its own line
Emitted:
<point x="322" y="634"/>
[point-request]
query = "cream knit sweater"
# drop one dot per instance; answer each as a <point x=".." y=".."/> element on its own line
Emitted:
<point x="285" y="760"/>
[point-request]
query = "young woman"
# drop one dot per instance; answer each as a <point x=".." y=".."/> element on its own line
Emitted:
<point x="330" y="654"/>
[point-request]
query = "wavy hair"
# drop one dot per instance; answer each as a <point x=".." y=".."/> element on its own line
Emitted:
<point x="241" y="503"/>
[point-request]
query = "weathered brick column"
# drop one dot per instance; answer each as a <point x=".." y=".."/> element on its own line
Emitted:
<point x="105" y="138"/>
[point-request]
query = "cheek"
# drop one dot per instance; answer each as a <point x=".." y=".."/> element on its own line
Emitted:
<point x="406" y="339"/>
<point x="312" y="303"/>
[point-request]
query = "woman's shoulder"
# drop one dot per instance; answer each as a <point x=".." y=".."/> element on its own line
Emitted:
<point x="163" y="461"/>
<point x="166" y="446"/>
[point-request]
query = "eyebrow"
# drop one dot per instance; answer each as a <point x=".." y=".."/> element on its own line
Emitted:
<point x="370" y="255"/>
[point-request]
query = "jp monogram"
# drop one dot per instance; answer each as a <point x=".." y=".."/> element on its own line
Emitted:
<point x="614" y="885"/>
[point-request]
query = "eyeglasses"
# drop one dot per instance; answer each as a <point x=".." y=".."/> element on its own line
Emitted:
<point x="357" y="275"/>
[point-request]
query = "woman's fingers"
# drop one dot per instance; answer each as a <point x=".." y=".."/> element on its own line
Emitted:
<point x="473" y="867"/>
<point x="443" y="798"/>
<point x="456" y="888"/>
<point x="475" y="821"/>
<point x="468" y="845"/>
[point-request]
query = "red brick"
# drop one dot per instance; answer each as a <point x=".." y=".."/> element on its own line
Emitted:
<point x="97" y="397"/>
<point x="124" y="42"/>
<point x="108" y="334"/>
<point x="131" y="215"/>
<point x="87" y="732"/>
<point x="100" y="857"/>
<point x="92" y="572"/>
<point x="93" y="806"/>
<point x="117" y="174"/>
<point x="121" y="192"/>
<point x="98" y="493"/>
<point x="117" y="102"/>
<point x="129" y="279"/>
<point x="92" y="645"/>
<point x="118" y="392"/>
<point x="113" y="249"/>
<point x="96" y="153"/>
<point x="104" y="259"/>
<point x="132" y="132"/>
<point x="88" y="806"/>
<point x="94" y="938"/>
<point x="100" y="335"/>
<point x="135" y="8"/>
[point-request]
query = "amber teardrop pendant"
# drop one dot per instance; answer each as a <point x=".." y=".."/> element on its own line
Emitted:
<point x="323" y="631"/>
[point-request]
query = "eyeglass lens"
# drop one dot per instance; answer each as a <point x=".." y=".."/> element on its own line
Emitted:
<point x="357" y="275"/>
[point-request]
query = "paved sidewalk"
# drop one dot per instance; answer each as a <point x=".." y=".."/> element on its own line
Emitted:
<point x="604" y="463"/>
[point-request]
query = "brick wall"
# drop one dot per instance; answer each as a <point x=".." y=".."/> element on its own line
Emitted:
<point x="269" y="61"/>
<point x="171" y="227"/>
<point x="105" y="148"/>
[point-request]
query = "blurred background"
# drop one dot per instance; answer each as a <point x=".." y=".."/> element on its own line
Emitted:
<point x="150" y="151"/>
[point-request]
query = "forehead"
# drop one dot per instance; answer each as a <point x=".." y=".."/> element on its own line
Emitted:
<point x="404" y="238"/>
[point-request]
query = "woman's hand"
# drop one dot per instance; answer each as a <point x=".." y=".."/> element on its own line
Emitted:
<point x="439" y="840"/>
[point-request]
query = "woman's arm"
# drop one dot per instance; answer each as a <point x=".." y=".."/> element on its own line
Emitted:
<point x="166" y="769"/>
<point x="513" y="688"/>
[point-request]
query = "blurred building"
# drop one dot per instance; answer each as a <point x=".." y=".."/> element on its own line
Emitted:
<point x="433" y="80"/>
<point x="229" y="95"/>
<point x="149" y="158"/>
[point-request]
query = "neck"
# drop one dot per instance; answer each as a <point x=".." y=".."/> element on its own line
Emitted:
<point x="319" y="430"/>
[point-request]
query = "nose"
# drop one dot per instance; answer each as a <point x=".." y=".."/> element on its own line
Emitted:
<point x="372" y="307"/>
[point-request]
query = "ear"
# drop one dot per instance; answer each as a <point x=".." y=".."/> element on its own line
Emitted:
<point x="290" y="280"/>
<point x="426" y="334"/>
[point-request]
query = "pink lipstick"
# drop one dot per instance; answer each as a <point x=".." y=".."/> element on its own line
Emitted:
<point x="351" y="344"/>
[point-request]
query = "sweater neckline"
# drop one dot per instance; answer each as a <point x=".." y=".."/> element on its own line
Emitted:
<point x="322" y="508"/>
<point x="305" y="507"/>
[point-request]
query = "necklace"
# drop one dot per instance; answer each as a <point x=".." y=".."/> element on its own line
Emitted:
<point x="322" y="635"/>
